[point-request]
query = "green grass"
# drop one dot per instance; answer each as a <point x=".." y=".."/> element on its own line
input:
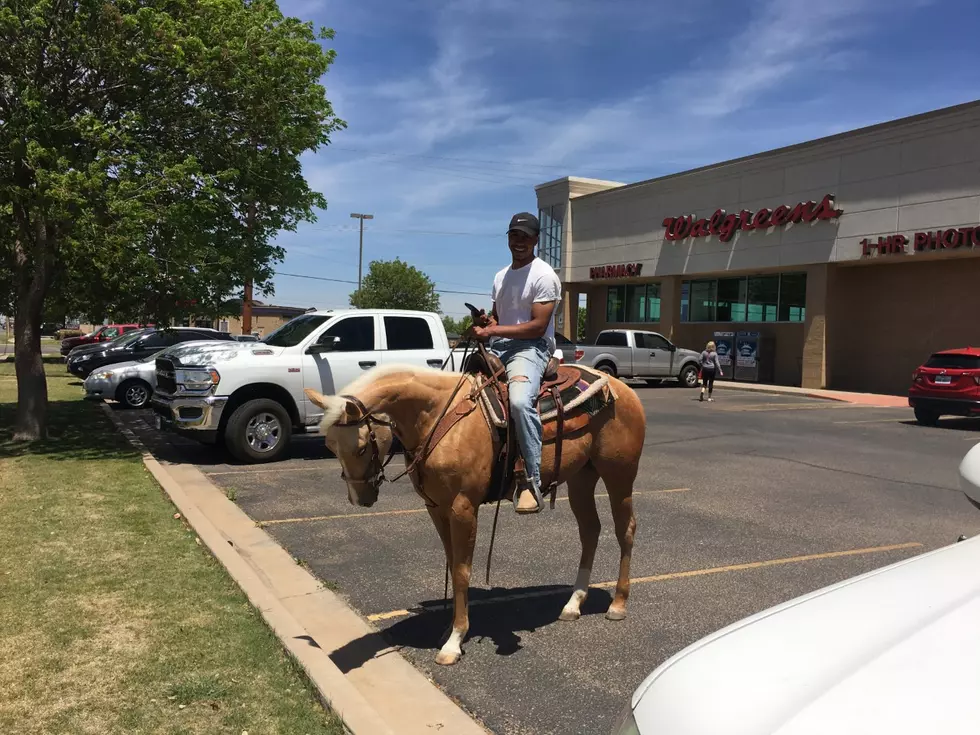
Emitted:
<point x="113" y="618"/>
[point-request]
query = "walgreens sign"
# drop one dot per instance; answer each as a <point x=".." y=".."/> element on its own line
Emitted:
<point x="724" y="225"/>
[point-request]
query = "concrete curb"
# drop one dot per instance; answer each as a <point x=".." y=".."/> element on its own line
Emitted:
<point x="381" y="693"/>
<point x="775" y="390"/>
<point x="870" y="400"/>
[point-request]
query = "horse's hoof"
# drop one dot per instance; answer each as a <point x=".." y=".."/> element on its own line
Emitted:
<point x="615" y="613"/>
<point x="569" y="615"/>
<point x="447" y="659"/>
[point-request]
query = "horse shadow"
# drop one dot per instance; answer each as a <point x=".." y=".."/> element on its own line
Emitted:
<point x="498" y="614"/>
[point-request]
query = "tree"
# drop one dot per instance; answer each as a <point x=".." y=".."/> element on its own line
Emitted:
<point x="149" y="151"/>
<point x="583" y="324"/>
<point x="456" y="326"/>
<point x="394" y="284"/>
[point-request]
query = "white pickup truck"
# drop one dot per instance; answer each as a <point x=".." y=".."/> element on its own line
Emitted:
<point x="632" y="353"/>
<point x="249" y="396"/>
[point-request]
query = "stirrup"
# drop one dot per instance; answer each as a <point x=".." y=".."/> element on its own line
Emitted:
<point x="519" y="490"/>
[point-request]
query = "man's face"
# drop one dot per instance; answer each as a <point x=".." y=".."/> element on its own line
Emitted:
<point x="521" y="244"/>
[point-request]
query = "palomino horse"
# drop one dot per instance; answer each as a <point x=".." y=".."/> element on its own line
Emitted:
<point x="455" y="477"/>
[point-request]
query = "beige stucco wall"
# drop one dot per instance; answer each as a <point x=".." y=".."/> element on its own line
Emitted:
<point x="885" y="320"/>
<point x="918" y="174"/>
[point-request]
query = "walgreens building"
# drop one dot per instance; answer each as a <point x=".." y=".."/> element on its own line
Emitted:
<point x="850" y="258"/>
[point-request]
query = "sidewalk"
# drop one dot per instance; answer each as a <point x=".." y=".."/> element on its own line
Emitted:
<point x="860" y="399"/>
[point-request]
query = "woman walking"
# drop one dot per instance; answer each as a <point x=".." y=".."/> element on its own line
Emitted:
<point x="709" y="368"/>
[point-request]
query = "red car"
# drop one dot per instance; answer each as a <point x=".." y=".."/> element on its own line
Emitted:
<point x="102" y="334"/>
<point x="948" y="384"/>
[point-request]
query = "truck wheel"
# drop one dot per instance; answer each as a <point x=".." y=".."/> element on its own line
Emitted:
<point x="689" y="376"/>
<point x="258" y="431"/>
<point x="926" y="417"/>
<point x="606" y="367"/>
<point x="134" y="393"/>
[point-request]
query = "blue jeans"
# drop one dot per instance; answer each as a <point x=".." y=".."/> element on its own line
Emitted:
<point x="525" y="359"/>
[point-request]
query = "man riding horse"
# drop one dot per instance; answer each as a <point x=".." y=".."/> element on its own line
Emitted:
<point x="521" y="332"/>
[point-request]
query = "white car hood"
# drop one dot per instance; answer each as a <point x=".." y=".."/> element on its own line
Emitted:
<point x="894" y="651"/>
<point x="216" y="352"/>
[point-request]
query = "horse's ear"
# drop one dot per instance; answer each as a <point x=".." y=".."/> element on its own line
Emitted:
<point x="333" y="407"/>
<point x="317" y="399"/>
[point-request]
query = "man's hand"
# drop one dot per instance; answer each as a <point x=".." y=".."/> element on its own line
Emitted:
<point x="480" y="334"/>
<point x="483" y="319"/>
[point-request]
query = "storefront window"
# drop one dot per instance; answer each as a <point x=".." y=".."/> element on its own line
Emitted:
<point x="616" y="304"/>
<point x="763" y="298"/>
<point x="731" y="300"/>
<point x="792" y="297"/>
<point x="703" y="297"/>
<point x="752" y="299"/>
<point x="633" y="304"/>
<point x="549" y="240"/>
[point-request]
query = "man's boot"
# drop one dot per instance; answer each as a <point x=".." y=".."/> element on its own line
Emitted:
<point x="525" y="499"/>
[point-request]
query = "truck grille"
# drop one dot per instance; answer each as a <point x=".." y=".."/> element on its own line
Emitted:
<point x="166" y="376"/>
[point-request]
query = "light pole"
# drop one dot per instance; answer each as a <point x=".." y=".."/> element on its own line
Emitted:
<point x="360" y="252"/>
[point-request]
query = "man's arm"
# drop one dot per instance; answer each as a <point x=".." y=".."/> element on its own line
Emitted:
<point x="541" y="313"/>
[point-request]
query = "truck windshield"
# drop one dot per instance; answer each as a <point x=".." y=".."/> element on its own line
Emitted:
<point x="293" y="332"/>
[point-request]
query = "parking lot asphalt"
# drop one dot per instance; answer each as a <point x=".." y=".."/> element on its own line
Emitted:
<point x="741" y="504"/>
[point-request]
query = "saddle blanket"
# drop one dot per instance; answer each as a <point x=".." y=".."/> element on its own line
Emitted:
<point x="589" y="392"/>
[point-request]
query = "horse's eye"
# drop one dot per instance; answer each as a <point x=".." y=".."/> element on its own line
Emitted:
<point x="361" y="451"/>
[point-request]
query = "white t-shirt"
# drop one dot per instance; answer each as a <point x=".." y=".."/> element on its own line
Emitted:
<point x="514" y="290"/>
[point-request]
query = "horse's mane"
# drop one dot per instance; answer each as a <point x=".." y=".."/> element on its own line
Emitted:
<point x="336" y="405"/>
<point x="375" y="374"/>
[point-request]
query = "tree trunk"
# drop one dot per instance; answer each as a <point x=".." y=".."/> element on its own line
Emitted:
<point x="32" y="386"/>
<point x="31" y="280"/>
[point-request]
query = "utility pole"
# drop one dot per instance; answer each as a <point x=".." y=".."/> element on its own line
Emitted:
<point x="247" y="296"/>
<point x="360" y="254"/>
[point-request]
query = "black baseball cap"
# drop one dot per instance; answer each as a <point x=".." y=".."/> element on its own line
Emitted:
<point x="525" y="222"/>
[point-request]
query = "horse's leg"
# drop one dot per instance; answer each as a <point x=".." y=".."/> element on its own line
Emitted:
<point x="462" y="526"/>
<point x="581" y="496"/>
<point x="441" y="522"/>
<point x="619" y="484"/>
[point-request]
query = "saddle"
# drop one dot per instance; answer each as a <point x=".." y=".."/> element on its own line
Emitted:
<point x="569" y="397"/>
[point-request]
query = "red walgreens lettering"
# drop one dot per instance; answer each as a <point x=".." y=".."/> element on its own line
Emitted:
<point x="745" y="220"/>
<point x="761" y="219"/>
<point x="715" y="222"/>
<point x="726" y="225"/>
<point x="780" y="216"/>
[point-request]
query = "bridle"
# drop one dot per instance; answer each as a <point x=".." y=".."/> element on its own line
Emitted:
<point x="376" y="469"/>
<point x="413" y="459"/>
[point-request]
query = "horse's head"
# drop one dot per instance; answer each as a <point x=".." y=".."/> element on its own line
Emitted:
<point x="361" y="441"/>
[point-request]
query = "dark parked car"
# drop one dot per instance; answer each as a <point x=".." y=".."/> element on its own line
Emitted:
<point x="143" y="346"/>
<point x="119" y="341"/>
<point x="104" y="333"/>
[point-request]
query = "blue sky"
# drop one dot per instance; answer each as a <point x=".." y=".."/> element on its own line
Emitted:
<point x="456" y="109"/>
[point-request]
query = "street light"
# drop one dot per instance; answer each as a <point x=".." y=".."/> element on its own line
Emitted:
<point x="360" y="253"/>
